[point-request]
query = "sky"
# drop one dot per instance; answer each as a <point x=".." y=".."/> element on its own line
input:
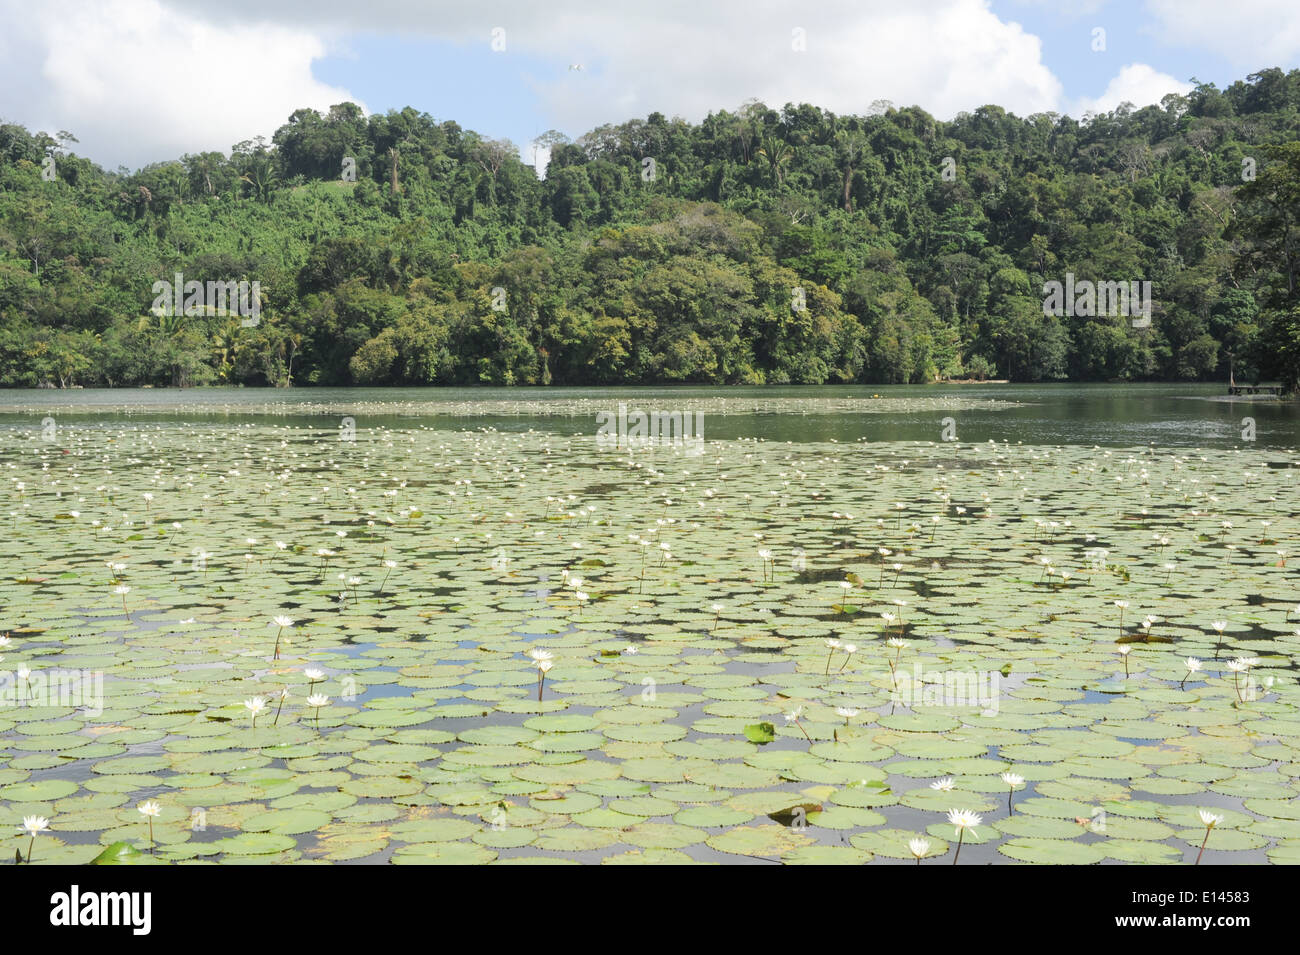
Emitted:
<point x="140" y="81"/>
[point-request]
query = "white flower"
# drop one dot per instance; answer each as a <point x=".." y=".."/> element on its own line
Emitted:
<point x="1125" y="651"/>
<point x="919" y="847"/>
<point x="1219" y="625"/>
<point x="897" y="643"/>
<point x="832" y="644"/>
<point x="944" y="785"/>
<point x="149" y="808"/>
<point x="545" y="665"/>
<point x="34" y="825"/>
<point x="630" y="649"/>
<point x="1013" y="779"/>
<point x="847" y="712"/>
<point x="1192" y="664"/>
<point x="964" y="819"/>
<point x="255" y="705"/>
<point x="539" y="655"/>
<point x="1209" y="819"/>
<point x="282" y="621"/>
<point x="791" y="717"/>
<point x="317" y="700"/>
<point x="313" y="674"/>
<point x="1237" y="666"/>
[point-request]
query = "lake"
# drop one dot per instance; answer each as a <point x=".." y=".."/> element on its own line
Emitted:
<point x="1183" y="415"/>
<point x="453" y="626"/>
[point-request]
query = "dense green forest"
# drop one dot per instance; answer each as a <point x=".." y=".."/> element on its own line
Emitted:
<point x="758" y="246"/>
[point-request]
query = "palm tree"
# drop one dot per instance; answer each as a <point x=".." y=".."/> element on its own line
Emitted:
<point x="778" y="154"/>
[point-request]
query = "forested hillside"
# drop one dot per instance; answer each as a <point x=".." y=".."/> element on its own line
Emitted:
<point x="758" y="246"/>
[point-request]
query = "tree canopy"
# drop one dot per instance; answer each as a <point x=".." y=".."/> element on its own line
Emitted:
<point x="757" y="246"/>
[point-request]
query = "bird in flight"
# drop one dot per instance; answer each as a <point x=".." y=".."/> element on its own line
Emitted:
<point x="575" y="66"/>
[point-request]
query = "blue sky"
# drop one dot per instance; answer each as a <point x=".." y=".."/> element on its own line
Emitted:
<point x="188" y="75"/>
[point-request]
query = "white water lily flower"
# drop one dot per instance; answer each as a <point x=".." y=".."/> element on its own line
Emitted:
<point x="539" y="654"/>
<point x="944" y="785"/>
<point x="919" y="847"/>
<point x="282" y="622"/>
<point x="1209" y="819"/>
<point x="255" y="705"/>
<point x="317" y="700"/>
<point x="1192" y="664"/>
<point x="149" y="808"/>
<point x="34" y="825"/>
<point x="964" y="819"/>
<point x="313" y="674"/>
<point x="1013" y="779"/>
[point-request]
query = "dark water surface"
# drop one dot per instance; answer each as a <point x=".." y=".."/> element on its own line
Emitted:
<point x="1163" y="415"/>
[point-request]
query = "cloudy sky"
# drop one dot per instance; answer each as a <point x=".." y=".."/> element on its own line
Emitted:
<point x="139" y="81"/>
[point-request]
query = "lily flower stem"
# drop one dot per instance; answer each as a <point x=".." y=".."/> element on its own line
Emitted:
<point x="1203" y="842"/>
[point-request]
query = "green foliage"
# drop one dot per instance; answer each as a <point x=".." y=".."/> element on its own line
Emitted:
<point x="760" y="246"/>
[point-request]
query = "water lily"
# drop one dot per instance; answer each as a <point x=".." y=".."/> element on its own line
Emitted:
<point x="944" y="785"/>
<point x="255" y="706"/>
<point x="314" y="676"/>
<point x="1193" y="665"/>
<point x="149" y="809"/>
<point x="1122" y="605"/>
<point x="1014" y="781"/>
<point x="919" y="848"/>
<point x="284" y="623"/>
<point x="1209" y="820"/>
<point x="793" y="717"/>
<point x="963" y="819"/>
<point x="122" y="590"/>
<point x="847" y="712"/>
<point x="33" y="826"/>
<point x="389" y="565"/>
<point x="318" y="700"/>
<point x="543" y="667"/>
<point x="1124" y="651"/>
<point x="284" y="695"/>
<point x="831" y="645"/>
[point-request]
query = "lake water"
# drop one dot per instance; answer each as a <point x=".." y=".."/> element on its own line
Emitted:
<point x="424" y="541"/>
<point x="1160" y="415"/>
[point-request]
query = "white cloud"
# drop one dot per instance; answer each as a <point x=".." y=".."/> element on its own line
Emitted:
<point x="1136" y="83"/>
<point x="1251" y="34"/>
<point x="138" y="81"/>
